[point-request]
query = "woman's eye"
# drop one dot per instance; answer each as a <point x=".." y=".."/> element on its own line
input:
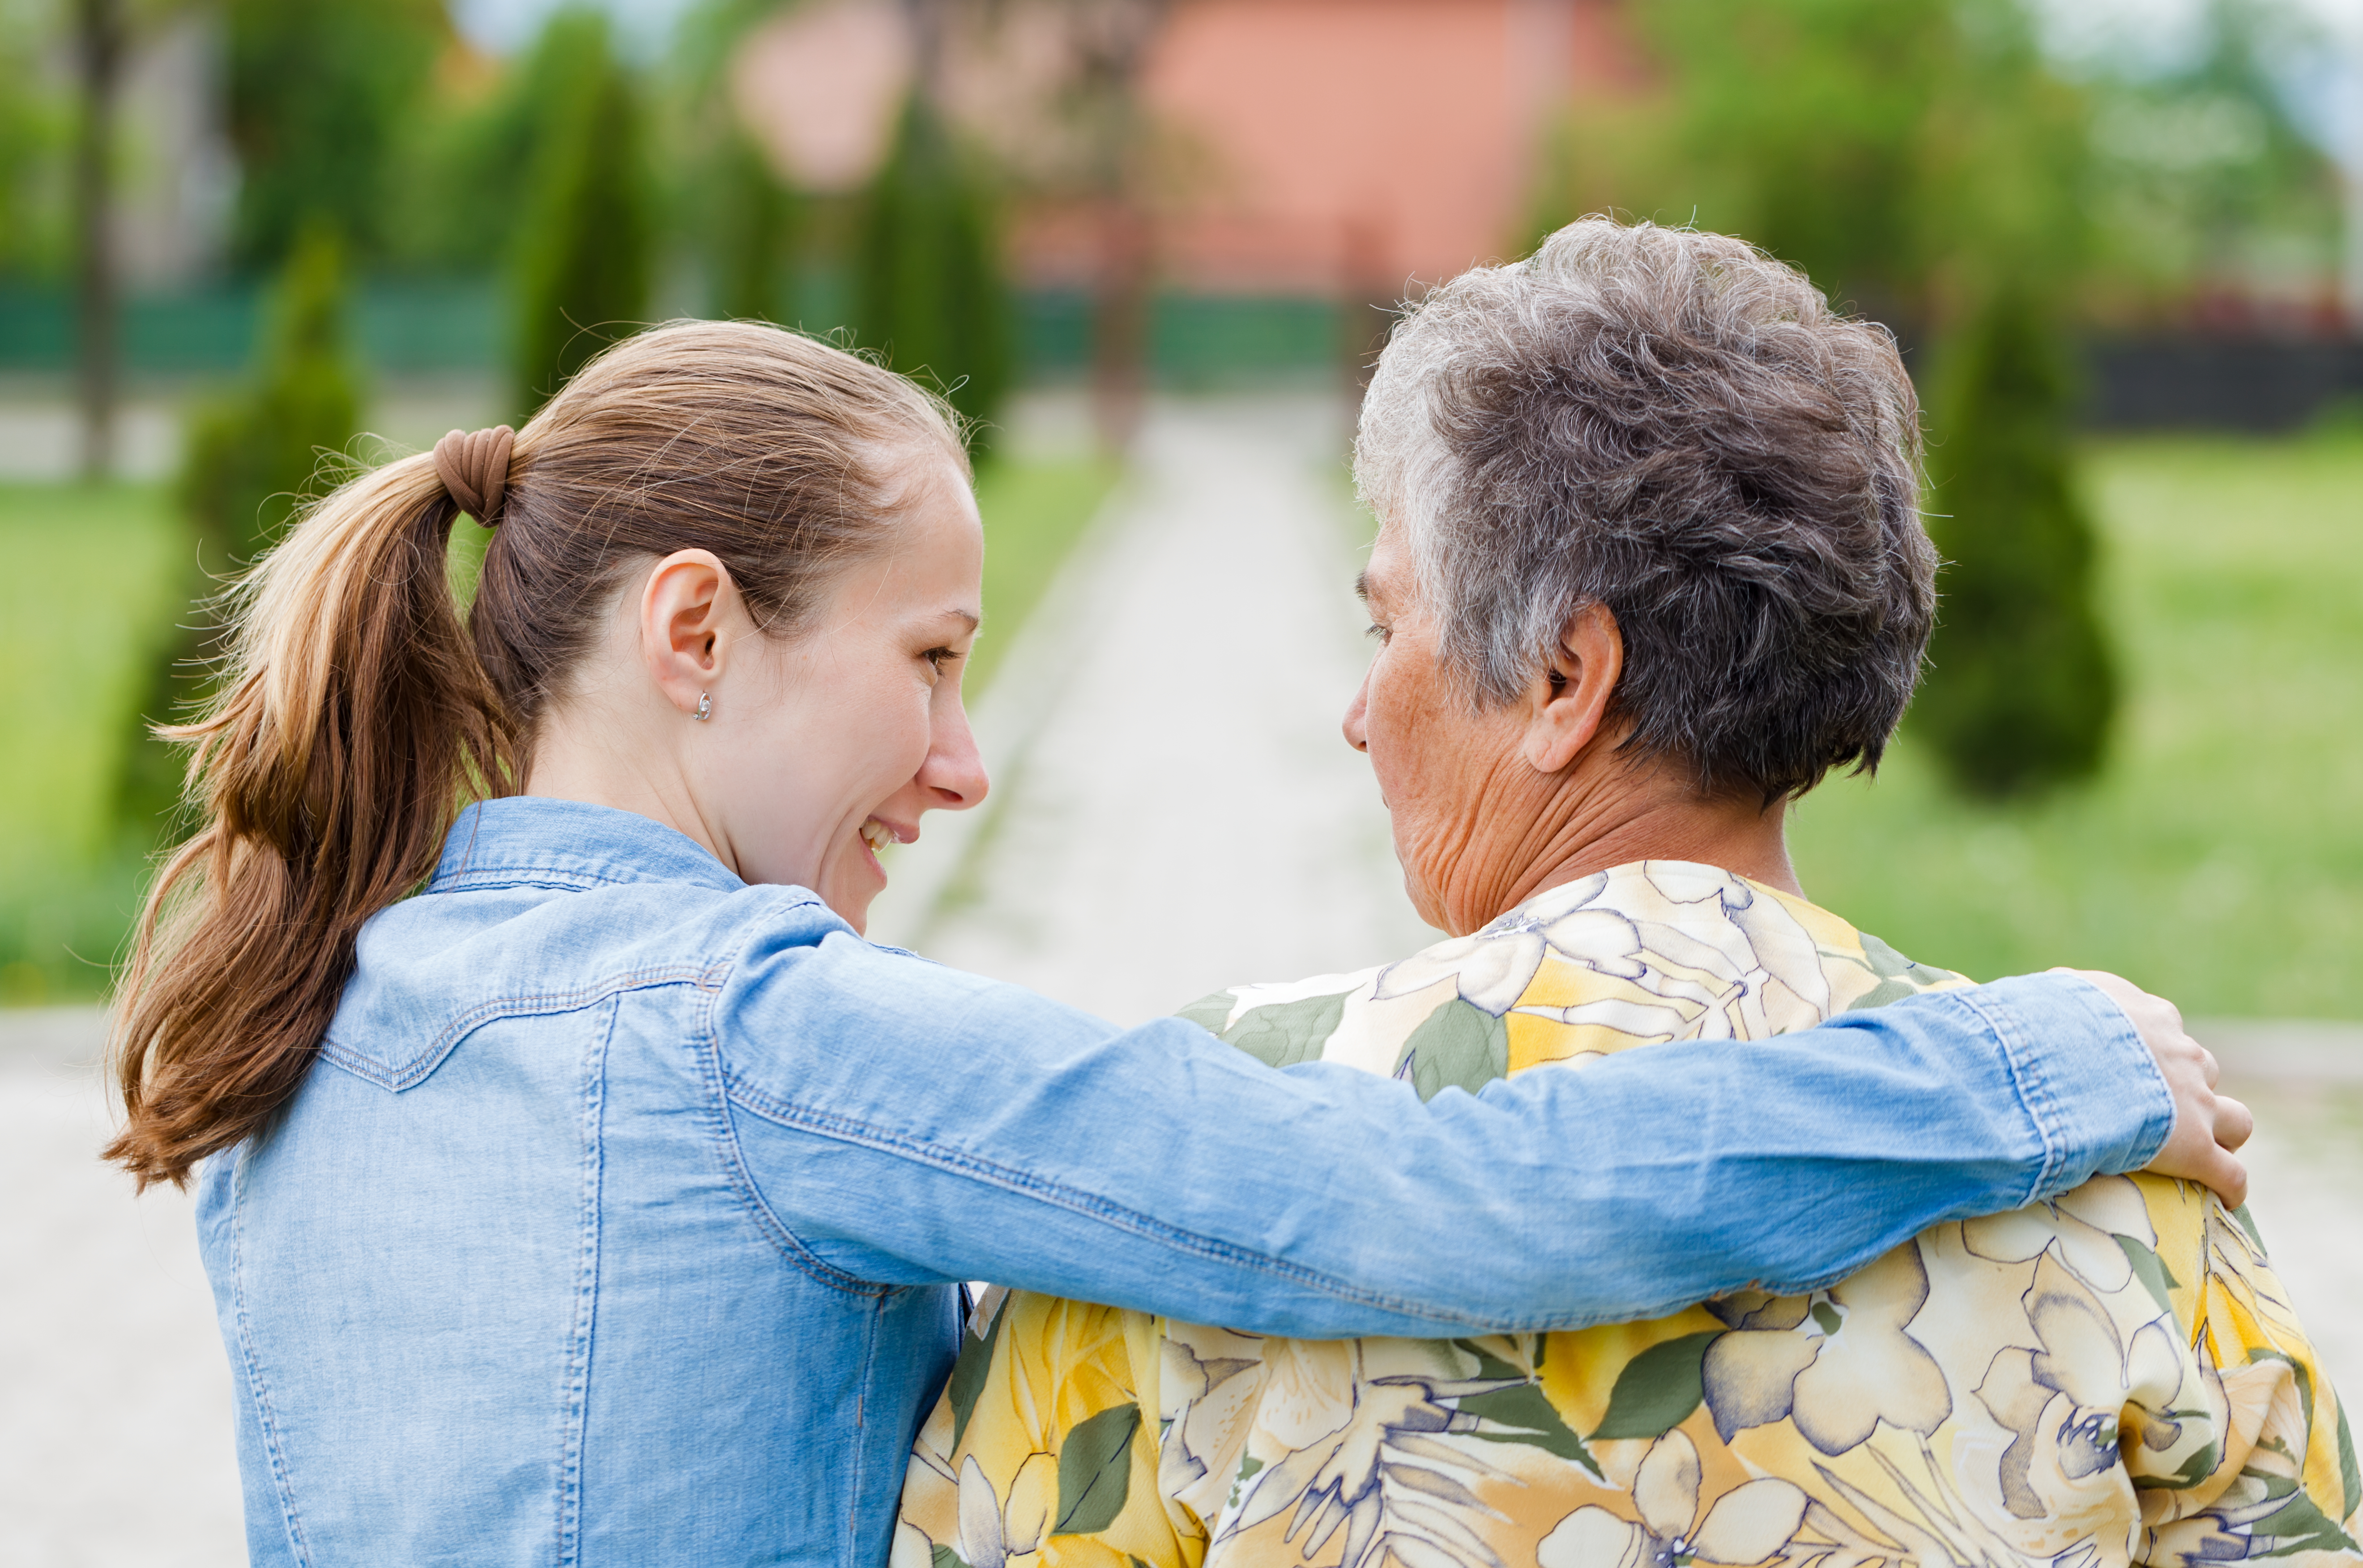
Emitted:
<point x="1375" y="630"/>
<point x="940" y="658"/>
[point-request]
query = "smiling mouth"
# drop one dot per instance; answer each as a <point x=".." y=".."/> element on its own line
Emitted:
<point x="878" y="836"/>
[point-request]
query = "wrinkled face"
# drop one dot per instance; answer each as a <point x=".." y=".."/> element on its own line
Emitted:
<point x="1460" y="796"/>
<point x="839" y="738"/>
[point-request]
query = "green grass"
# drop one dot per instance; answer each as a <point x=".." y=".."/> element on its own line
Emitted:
<point x="2219" y="860"/>
<point x="1033" y="512"/>
<point x="81" y="605"/>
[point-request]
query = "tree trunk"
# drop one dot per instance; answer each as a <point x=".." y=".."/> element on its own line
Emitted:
<point x="99" y="29"/>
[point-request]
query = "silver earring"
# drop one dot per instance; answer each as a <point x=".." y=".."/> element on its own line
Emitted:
<point x="704" y="708"/>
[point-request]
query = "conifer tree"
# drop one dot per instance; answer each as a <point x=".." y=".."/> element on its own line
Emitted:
<point x="585" y="258"/>
<point x="750" y="218"/>
<point x="2020" y="686"/>
<point x="931" y="295"/>
<point x="253" y="458"/>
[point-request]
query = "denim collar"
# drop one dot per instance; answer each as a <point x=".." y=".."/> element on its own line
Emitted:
<point x="537" y="841"/>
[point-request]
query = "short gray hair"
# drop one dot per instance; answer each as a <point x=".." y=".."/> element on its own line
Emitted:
<point x="1679" y="427"/>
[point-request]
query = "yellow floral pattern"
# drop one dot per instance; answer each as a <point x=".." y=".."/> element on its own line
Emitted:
<point x="2113" y="1376"/>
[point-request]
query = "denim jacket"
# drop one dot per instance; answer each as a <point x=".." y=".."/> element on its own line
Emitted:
<point x="620" y="1219"/>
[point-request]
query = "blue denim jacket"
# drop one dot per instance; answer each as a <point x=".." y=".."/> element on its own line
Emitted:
<point x="618" y="1222"/>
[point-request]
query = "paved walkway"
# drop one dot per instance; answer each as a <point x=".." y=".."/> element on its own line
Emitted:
<point x="1172" y="805"/>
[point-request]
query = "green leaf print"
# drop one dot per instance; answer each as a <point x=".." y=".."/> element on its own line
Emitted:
<point x="1658" y="1389"/>
<point x="970" y="1371"/>
<point x="1096" y="1471"/>
<point x="1460" y="1045"/>
<point x="2297" y="1525"/>
<point x="1284" y="1033"/>
<point x="1210" y="1013"/>
<point x="2350" y="1477"/>
<point x="1532" y="1421"/>
<point x="2248" y="1223"/>
<point x="2151" y="1269"/>
<point x="945" y="1557"/>
<point x="1898" y="976"/>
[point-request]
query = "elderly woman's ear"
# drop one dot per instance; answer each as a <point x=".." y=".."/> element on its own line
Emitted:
<point x="1567" y="702"/>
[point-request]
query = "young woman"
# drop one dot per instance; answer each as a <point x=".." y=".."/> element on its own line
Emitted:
<point x="578" y="1187"/>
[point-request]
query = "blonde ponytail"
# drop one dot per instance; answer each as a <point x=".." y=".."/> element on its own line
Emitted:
<point x="351" y="722"/>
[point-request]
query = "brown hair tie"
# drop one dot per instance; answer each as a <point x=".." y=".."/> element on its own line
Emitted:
<point x="475" y="470"/>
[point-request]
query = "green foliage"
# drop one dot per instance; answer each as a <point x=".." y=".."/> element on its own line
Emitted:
<point x="931" y="294"/>
<point x="36" y="122"/>
<point x="2206" y="173"/>
<point x="582" y="267"/>
<point x="253" y="457"/>
<point x="1897" y="150"/>
<point x="750" y="218"/>
<point x="1798" y="124"/>
<point x="2021" y="688"/>
<point x="318" y="90"/>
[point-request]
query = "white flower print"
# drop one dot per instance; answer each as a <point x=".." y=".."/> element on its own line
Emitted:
<point x="1747" y="1524"/>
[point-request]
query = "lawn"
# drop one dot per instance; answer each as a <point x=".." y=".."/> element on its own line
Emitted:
<point x="86" y="597"/>
<point x="2219" y="858"/>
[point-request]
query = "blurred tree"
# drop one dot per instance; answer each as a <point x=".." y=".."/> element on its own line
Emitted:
<point x="99" y="39"/>
<point x="2209" y="179"/>
<point x="585" y="253"/>
<point x="1110" y="40"/>
<point x="930" y="291"/>
<point x="751" y="220"/>
<point x="318" y="91"/>
<point x="2022" y="688"/>
<point x="253" y="458"/>
<point x="1798" y="124"/>
<point x="35" y="124"/>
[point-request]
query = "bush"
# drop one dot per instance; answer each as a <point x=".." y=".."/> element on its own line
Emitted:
<point x="583" y="265"/>
<point x="2020" y="687"/>
<point x="251" y="462"/>
<point x="930" y="292"/>
<point x="318" y="93"/>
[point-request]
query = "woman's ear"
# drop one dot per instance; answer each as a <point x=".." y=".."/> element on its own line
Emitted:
<point x="1569" y="699"/>
<point x="688" y="611"/>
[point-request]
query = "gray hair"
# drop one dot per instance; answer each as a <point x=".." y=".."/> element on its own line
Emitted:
<point x="1676" y="426"/>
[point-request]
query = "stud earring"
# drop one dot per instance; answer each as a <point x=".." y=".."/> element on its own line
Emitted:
<point x="704" y="708"/>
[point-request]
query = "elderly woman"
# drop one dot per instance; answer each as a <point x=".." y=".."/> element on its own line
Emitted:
<point x="1648" y="568"/>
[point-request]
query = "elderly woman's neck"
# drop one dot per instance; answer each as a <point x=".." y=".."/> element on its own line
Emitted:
<point x="1598" y="822"/>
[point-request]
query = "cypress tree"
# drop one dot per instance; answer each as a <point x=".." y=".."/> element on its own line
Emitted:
<point x="751" y="219"/>
<point x="252" y="459"/>
<point x="585" y="258"/>
<point x="930" y="291"/>
<point x="2022" y="686"/>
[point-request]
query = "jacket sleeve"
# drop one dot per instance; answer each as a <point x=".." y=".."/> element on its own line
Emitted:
<point x="908" y="1124"/>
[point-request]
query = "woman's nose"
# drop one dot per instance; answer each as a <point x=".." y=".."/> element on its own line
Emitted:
<point x="1357" y="712"/>
<point x="954" y="773"/>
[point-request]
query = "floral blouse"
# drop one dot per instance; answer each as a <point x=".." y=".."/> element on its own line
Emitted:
<point x="2116" y="1376"/>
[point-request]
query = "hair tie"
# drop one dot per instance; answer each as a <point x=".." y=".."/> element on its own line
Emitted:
<point x="475" y="470"/>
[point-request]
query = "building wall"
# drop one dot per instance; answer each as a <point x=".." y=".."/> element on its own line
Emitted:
<point x="1340" y="147"/>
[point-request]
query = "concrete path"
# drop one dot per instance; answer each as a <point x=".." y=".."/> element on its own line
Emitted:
<point x="1171" y="809"/>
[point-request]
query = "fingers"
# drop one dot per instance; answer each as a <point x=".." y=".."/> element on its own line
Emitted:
<point x="2209" y="1128"/>
<point x="2235" y="1124"/>
<point x="2229" y="1177"/>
